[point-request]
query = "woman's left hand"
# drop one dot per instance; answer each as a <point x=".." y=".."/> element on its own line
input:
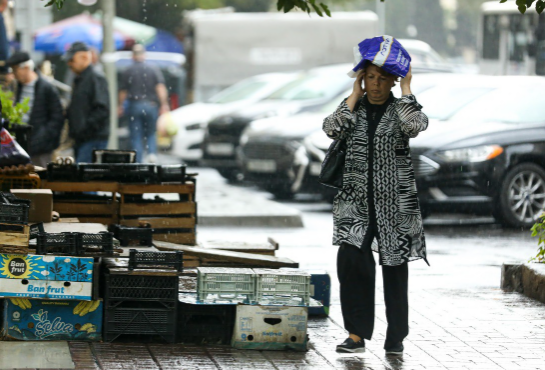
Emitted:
<point x="406" y="83"/>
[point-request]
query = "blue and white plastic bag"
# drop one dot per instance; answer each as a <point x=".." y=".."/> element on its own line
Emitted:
<point x="384" y="52"/>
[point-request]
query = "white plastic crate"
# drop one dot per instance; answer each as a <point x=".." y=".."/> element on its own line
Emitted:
<point x="284" y="286"/>
<point x="220" y="284"/>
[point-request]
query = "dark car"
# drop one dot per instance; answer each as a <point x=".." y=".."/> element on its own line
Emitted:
<point x="484" y="149"/>
<point x="311" y="90"/>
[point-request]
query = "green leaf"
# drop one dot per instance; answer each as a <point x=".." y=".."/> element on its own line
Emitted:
<point x="317" y="9"/>
<point x="540" y="6"/>
<point x="529" y="3"/>
<point x="522" y="9"/>
<point x="280" y="4"/>
<point x="503" y="1"/>
<point x="326" y="9"/>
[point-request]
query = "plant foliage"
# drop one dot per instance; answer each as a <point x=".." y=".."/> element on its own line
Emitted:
<point x="538" y="230"/>
<point x="524" y="5"/>
<point x="13" y="113"/>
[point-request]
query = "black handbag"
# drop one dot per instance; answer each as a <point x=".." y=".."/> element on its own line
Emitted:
<point x="332" y="170"/>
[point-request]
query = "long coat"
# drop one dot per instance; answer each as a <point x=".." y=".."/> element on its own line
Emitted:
<point x="398" y="217"/>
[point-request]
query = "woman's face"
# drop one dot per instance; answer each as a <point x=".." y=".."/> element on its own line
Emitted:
<point x="377" y="84"/>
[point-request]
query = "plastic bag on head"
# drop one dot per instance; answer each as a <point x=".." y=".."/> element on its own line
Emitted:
<point x="384" y="52"/>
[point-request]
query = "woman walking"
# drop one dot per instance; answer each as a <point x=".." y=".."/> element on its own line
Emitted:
<point x="378" y="201"/>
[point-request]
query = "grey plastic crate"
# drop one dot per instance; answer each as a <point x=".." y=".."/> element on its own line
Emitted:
<point x="288" y="287"/>
<point x="219" y="284"/>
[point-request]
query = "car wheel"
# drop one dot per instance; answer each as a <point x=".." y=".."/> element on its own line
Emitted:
<point x="230" y="174"/>
<point x="522" y="196"/>
<point x="281" y="192"/>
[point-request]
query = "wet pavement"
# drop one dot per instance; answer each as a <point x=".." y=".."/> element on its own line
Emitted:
<point x="459" y="318"/>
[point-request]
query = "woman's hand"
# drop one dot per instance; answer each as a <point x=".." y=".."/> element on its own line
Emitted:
<point x="357" y="91"/>
<point x="406" y="83"/>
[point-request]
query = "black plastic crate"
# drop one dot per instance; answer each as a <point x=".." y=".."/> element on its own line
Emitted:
<point x="139" y="321"/>
<point x="142" y="236"/>
<point x="104" y="240"/>
<point x="122" y="172"/>
<point x="66" y="243"/>
<point x="10" y="198"/>
<point x="63" y="172"/>
<point x="36" y="229"/>
<point x="114" y="156"/>
<point x="205" y="324"/>
<point x="156" y="260"/>
<point x="14" y="213"/>
<point x="172" y="173"/>
<point x="140" y="287"/>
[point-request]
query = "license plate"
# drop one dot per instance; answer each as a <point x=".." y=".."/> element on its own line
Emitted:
<point x="315" y="168"/>
<point x="266" y="166"/>
<point x="221" y="149"/>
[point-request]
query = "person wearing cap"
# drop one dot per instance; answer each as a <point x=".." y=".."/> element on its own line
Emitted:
<point x="89" y="110"/>
<point x="377" y="208"/>
<point x="45" y="114"/>
<point x="143" y="86"/>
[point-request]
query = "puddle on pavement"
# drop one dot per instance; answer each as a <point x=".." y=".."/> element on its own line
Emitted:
<point x="35" y="355"/>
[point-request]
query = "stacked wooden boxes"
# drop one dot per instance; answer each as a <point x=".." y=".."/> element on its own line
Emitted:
<point x="14" y="229"/>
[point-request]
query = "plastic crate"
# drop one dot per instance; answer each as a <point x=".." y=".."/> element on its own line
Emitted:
<point x="217" y="284"/>
<point x="114" y="156"/>
<point x="142" y="236"/>
<point x="290" y="287"/>
<point x="66" y="243"/>
<point x="63" y="172"/>
<point x="36" y="229"/>
<point x="103" y="239"/>
<point x="140" y="287"/>
<point x="156" y="260"/>
<point x="122" y="172"/>
<point x="172" y="173"/>
<point x="205" y="323"/>
<point x="14" y="213"/>
<point x="10" y="198"/>
<point x="28" y="181"/>
<point x="140" y="321"/>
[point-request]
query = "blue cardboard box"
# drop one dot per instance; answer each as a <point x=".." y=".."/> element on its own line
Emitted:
<point x="33" y="319"/>
<point x="49" y="277"/>
<point x="320" y="290"/>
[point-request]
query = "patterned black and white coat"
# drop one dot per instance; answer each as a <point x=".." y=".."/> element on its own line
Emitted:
<point x="399" y="221"/>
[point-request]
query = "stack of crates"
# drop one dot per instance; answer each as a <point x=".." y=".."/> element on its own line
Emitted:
<point x="287" y="287"/>
<point x="14" y="229"/>
<point x="142" y="302"/>
<point x="225" y="285"/>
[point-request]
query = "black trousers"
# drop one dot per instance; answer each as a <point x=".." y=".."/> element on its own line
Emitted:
<point x="356" y="272"/>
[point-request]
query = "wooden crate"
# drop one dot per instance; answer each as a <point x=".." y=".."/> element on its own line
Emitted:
<point x="14" y="235"/>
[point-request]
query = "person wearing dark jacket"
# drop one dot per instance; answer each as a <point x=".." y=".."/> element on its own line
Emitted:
<point x="89" y="110"/>
<point x="45" y="114"/>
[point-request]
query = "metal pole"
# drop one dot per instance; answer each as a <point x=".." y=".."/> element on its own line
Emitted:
<point x="504" y="45"/>
<point x="108" y="48"/>
<point x="381" y="12"/>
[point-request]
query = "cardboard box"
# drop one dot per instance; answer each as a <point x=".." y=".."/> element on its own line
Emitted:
<point x="270" y="328"/>
<point x="41" y="205"/>
<point x="51" y="277"/>
<point x="30" y="319"/>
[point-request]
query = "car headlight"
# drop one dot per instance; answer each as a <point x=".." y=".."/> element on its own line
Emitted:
<point x="471" y="154"/>
<point x="194" y="126"/>
<point x="244" y="139"/>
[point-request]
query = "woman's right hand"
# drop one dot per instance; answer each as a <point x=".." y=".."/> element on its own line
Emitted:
<point x="359" y="89"/>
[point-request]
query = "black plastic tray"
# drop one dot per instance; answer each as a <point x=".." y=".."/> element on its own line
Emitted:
<point x="139" y="259"/>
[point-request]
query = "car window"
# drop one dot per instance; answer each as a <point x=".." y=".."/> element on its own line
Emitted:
<point x="239" y="91"/>
<point x="521" y="104"/>
<point x="441" y="102"/>
<point x="311" y="87"/>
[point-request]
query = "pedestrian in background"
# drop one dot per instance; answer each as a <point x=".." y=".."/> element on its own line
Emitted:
<point x="89" y="109"/>
<point x="143" y="86"/>
<point x="45" y="114"/>
<point x="378" y="201"/>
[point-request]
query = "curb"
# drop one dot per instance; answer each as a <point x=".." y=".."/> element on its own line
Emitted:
<point x="273" y="221"/>
<point x="527" y="278"/>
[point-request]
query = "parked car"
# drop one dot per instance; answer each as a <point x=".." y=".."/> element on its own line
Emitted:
<point x="189" y="122"/>
<point x="311" y="90"/>
<point x="483" y="151"/>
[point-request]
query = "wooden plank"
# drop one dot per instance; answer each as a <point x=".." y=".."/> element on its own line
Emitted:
<point x="98" y="220"/>
<point x="73" y="208"/>
<point x="161" y="222"/>
<point x="178" y="238"/>
<point x="80" y="186"/>
<point x="14" y="239"/>
<point x="228" y="256"/>
<point x="257" y="248"/>
<point x="187" y="188"/>
<point x="172" y="208"/>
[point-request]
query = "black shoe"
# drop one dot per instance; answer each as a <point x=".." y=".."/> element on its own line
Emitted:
<point x="351" y="347"/>
<point x="396" y="349"/>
